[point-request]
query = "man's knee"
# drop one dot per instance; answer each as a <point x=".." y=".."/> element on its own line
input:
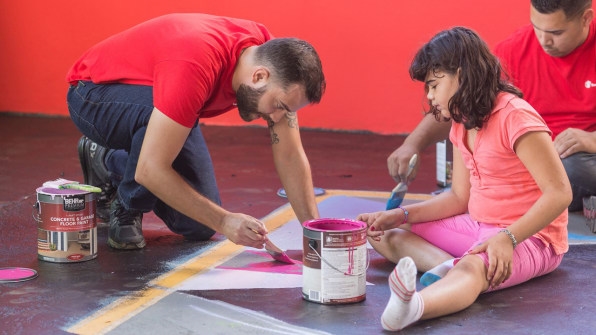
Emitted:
<point x="202" y="233"/>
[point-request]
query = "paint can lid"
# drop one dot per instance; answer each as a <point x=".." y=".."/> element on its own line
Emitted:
<point x="57" y="191"/>
<point x="318" y="191"/>
<point x="16" y="274"/>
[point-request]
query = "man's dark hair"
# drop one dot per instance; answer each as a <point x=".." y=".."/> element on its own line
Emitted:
<point x="294" y="61"/>
<point x="571" y="8"/>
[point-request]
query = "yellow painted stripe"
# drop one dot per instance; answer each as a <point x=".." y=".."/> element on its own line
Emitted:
<point x="125" y="308"/>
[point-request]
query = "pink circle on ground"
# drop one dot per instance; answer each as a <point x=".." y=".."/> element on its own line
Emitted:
<point x="14" y="274"/>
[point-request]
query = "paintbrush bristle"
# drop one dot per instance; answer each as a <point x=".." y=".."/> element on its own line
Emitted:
<point x="393" y="203"/>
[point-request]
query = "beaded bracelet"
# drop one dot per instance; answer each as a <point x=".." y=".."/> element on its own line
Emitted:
<point x="406" y="213"/>
<point x="513" y="240"/>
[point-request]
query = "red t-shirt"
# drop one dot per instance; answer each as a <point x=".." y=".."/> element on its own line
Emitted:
<point x="502" y="189"/>
<point x="562" y="90"/>
<point x="189" y="59"/>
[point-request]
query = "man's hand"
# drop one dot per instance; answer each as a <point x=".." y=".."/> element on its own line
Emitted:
<point x="573" y="140"/>
<point x="398" y="162"/>
<point x="244" y="230"/>
<point x="427" y="132"/>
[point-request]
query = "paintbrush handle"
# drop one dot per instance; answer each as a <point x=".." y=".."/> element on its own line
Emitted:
<point x="269" y="246"/>
<point x="399" y="186"/>
<point x="411" y="164"/>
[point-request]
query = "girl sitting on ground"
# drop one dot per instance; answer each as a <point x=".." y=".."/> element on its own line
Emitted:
<point x="504" y="220"/>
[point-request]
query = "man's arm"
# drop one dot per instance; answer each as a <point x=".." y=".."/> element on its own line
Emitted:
<point x="293" y="167"/>
<point x="428" y="131"/>
<point x="163" y="141"/>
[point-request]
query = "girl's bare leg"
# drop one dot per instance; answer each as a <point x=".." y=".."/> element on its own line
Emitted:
<point x="457" y="291"/>
<point x="398" y="243"/>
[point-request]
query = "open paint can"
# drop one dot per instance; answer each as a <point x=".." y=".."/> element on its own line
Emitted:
<point x="66" y="226"/>
<point x="335" y="261"/>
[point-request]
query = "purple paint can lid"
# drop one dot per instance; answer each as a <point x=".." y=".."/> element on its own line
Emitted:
<point x="58" y="191"/>
<point x="16" y="274"/>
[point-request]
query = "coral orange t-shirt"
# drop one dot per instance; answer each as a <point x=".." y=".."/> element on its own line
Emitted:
<point x="187" y="58"/>
<point x="502" y="189"/>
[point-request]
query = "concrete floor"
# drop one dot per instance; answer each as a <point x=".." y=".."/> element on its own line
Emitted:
<point x="37" y="149"/>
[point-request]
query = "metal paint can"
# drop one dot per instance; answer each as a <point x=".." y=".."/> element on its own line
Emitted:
<point x="66" y="226"/>
<point x="335" y="261"/>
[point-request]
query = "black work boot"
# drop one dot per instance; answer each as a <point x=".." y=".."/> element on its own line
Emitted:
<point x="95" y="173"/>
<point x="125" y="230"/>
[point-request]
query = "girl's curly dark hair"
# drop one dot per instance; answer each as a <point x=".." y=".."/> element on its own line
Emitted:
<point x="481" y="77"/>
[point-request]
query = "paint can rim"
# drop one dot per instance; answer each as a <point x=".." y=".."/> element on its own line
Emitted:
<point x="16" y="274"/>
<point x="58" y="192"/>
<point x="355" y="224"/>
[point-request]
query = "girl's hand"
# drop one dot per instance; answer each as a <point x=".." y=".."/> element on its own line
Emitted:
<point x="499" y="250"/>
<point x="378" y="222"/>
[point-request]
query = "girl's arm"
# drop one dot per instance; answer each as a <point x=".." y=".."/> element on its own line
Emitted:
<point x="537" y="153"/>
<point x="449" y="203"/>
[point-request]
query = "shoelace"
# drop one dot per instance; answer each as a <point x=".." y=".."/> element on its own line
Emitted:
<point x="126" y="218"/>
<point x="107" y="191"/>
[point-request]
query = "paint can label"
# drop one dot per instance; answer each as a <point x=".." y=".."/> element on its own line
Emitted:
<point x="66" y="225"/>
<point x="334" y="261"/>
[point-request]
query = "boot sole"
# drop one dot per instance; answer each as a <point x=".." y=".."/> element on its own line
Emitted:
<point x="126" y="245"/>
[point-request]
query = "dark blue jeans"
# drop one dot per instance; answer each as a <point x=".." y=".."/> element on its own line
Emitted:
<point x="581" y="170"/>
<point x="115" y="116"/>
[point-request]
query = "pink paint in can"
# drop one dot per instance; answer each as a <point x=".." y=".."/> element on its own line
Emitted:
<point x="335" y="260"/>
<point x="66" y="226"/>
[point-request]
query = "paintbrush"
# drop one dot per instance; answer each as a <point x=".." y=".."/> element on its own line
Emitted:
<point x="62" y="184"/>
<point x="398" y="193"/>
<point x="277" y="253"/>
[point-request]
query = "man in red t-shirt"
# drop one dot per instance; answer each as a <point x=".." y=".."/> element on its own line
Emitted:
<point x="138" y="95"/>
<point x="553" y="62"/>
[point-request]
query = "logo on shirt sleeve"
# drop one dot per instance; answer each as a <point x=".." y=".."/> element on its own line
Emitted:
<point x="590" y="84"/>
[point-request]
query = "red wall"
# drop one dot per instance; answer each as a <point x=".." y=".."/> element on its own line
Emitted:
<point x="365" y="46"/>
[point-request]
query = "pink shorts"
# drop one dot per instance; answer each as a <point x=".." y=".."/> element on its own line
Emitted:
<point x="456" y="235"/>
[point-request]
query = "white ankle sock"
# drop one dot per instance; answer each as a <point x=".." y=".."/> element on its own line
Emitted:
<point x="405" y="305"/>
<point x="436" y="273"/>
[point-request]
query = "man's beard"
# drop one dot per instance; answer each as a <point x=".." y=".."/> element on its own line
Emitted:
<point x="247" y="101"/>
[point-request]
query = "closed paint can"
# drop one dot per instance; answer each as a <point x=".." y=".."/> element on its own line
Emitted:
<point x="66" y="226"/>
<point x="335" y="260"/>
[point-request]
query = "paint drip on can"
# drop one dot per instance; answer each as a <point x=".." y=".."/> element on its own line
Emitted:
<point x="66" y="225"/>
<point x="335" y="261"/>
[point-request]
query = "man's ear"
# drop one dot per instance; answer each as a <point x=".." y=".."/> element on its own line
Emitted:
<point x="260" y="74"/>
<point x="588" y="17"/>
